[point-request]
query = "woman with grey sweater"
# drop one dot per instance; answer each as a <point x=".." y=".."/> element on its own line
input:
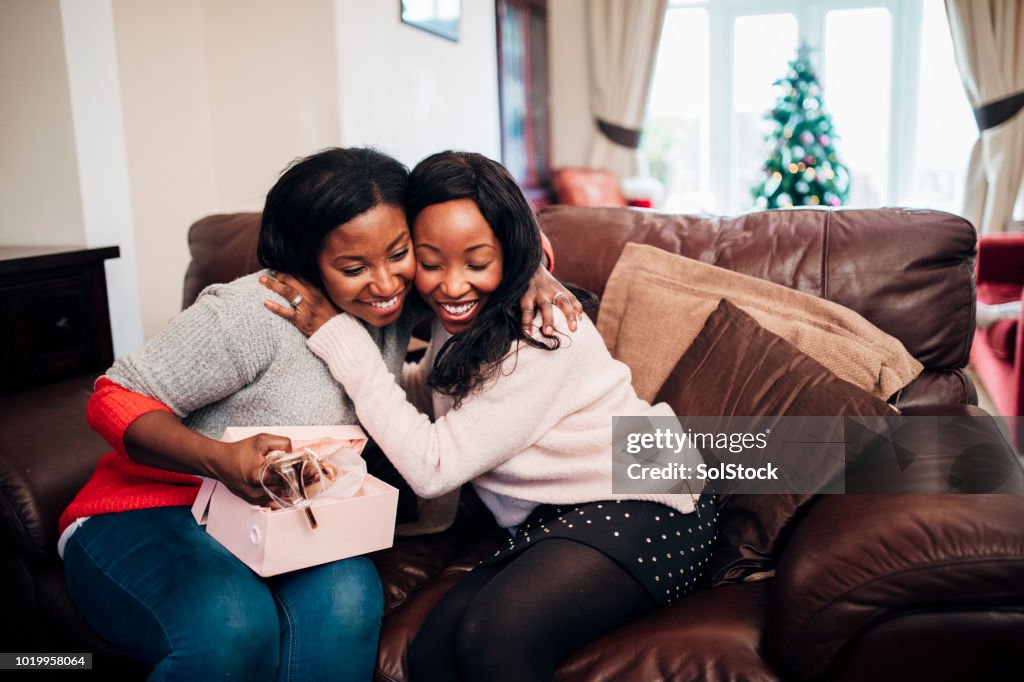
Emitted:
<point x="142" y="572"/>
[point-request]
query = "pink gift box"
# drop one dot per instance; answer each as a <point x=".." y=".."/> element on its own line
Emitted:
<point x="277" y="541"/>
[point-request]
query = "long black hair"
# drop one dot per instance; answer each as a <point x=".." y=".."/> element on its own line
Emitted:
<point x="318" y="193"/>
<point x="474" y="356"/>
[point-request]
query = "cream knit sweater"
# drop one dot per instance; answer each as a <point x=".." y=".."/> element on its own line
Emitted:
<point x="541" y="432"/>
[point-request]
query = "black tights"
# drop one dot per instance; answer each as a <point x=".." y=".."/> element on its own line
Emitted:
<point x="518" y="620"/>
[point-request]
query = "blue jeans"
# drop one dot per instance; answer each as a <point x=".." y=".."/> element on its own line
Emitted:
<point x="156" y="585"/>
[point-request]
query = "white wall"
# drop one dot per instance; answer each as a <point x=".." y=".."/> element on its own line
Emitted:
<point x="215" y="98"/>
<point x="169" y="142"/>
<point x="272" y="74"/>
<point x="572" y="127"/>
<point x="212" y="116"/>
<point x="63" y="180"/>
<point x="40" y="202"/>
<point x="220" y="95"/>
<point x="412" y="93"/>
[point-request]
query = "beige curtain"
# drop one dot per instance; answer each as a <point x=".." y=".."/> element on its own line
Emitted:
<point x="988" y="38"/>
<point x="623" y="41"/>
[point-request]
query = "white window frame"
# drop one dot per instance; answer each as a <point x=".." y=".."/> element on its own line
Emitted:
<point x="810" y="14"/>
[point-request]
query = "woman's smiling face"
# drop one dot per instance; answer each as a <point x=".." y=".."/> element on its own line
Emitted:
<point x="367" y="265"/>
<point x="460" y="261"/>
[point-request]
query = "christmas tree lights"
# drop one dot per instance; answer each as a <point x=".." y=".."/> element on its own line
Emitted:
<point x="803" y="168"/>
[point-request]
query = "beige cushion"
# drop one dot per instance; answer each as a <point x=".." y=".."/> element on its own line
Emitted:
<point x="656" y="303"/>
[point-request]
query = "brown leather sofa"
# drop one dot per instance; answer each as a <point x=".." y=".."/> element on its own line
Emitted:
<point x="867" y="586"/>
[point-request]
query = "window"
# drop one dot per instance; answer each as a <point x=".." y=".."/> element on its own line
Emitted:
<point x="676" y="139"/>
<point x="943" y="123"/>
<point x="763" y="44"/>
<point x="890" y="83"/>
<point x="858" y="93"/>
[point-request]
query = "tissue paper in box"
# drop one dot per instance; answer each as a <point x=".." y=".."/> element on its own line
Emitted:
<point x="277" y="541"/>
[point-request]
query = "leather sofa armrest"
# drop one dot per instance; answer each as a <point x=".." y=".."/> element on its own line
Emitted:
<point x="1001" y="259"/>
<point x="858" y="559"/>
<point x="47" y="453"/>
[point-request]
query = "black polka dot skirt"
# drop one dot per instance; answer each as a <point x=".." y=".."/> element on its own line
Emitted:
<point x="664" y="550"/>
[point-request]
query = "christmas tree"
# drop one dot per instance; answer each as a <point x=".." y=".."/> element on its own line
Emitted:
<point x="802" y="167"/>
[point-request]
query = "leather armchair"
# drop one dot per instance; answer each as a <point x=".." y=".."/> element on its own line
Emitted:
<point x="997" y="355"/>
<point x="867" y="586"/>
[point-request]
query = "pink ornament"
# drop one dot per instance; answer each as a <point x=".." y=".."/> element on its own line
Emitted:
<point x="806" y="137"/>
<point x="824" y="140"/>
<point x="834" y="201"/>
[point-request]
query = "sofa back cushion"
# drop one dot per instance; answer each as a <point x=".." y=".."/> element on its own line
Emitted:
<point x="735" y="368"/>
<point x="223" y="248"/>
<point x="907" y="272"/>
<point x="651" y="292"/>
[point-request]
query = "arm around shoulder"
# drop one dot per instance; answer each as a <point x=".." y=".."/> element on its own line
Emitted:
<point x="522" y="401"/>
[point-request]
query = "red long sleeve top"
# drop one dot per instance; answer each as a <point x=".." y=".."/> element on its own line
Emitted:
<point x="119" y="483"/>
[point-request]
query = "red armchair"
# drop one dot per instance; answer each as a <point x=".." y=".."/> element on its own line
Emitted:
<point x="587" y="187"/>
<point x="997" y="354"/>
<point x="599" y="187"/>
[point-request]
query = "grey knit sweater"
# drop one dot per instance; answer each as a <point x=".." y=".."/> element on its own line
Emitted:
<point x="228" y="361"/>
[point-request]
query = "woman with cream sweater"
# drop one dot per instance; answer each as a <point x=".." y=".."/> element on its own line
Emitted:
<point x="526" y="418"/>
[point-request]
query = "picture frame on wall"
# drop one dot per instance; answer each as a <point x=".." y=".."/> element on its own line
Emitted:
<point x="440" y="17"/>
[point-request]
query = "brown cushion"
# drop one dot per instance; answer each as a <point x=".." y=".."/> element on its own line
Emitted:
<point x="735" y="367"/>
<point x="708" y="635"/>
<point x="223" y="248"/>
<point x="656" y="303"/>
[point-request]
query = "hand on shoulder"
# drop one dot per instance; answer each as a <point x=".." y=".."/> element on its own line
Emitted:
<point x="308" y="308"/>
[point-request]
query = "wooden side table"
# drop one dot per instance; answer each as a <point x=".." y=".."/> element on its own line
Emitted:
<point x="54" y="315"/>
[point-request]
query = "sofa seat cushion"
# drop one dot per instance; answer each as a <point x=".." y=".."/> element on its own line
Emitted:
<point x="711" y="635"/>
<point x="59" y="612"/>
<point x="404" y="619"/>
<point x="66" y="630"/>
<point x="413" y="561"/>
